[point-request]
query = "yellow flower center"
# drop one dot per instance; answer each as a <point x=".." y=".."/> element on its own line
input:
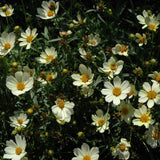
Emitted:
<point x="52" y="6"/>
<point x="124" y="111"/>
<point x="123" y="48"/>
<point x="18" y="150"/>
<point x="141" y="39"/>
<point x="50" y="57"/>
<point x="61" y="104"/>
<point x="144" y="118"/>
<point x="116" y="91"/>
<point x="20" y="86"/>
<point x="155" y="135"/>
<point x="93" y="42"/>
<point x="130" y="93"/>
<point x="30" y="74"/>
<point x="100" y="122"/>
<point x="113" y="66"/>
<point x="108" y="73"/>
<point x="50" y="13"/>
<point x="158" y="78"/>
<point x="20" y="121"/>
<point x="151" y="27"/>
<point x="151" y="94"/>
<point x="7" y="46"/>
<point x="84" y="78"/>
<point x="49" y="77"/>
<point x="29" y="39"/>
<point x="87" y="157"/>
<point x="7" y="13"/>
<point x="122" y="147"/>
<point x="80" y="22"/>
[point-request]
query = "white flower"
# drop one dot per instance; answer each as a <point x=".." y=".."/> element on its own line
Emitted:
<point x="49" y="10"/>
<point x="19" y="84"/>
<point x="65" y="33"/>
<point x="155" y="76"/>
<point x="153" y="136"/>
<point x="93" y="40"/>
<point x="120" y="49"/>
<point x="7" y="42"/>
<point x="15" y="151"/>
<point x="85" y="153"/>
<point x="86" y="55"/>
<point x="141" y="39"/>
<point x="101" y="121"/>
<point x="112" y="67"/>
<point x="51" y="76"/>
<point x="47" y="56"/>
<point x="127" y="111"/>
<point x="152" y="24"/>
<point x="87" y="91"/>
<point x="85" y="77"/>
<point x="116" y="92"/>
<point x="122" y="149"/>
<point x="133" y="91"/>
<point x="19" y="120"/>
<point x="27" y="37"/>
<point x="150" y="94"/>
<point x="143" y="117"/>
<point x="79" y="19"/>
<point x="63" y="109"/>
<point x="30" y="71"/>
<point x="6" y="10"/>
<point x="62" y="122"/>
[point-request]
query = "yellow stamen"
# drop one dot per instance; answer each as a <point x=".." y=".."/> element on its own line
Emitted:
<point x="18" y="150"/>
<point x="20" y="121"/>
<point x="122" y="147"/>
<point x="7" y="46"/>
<point x="113" y="66"/>
<point x="50" y="13"/>
<point x="49" y="77"/>
<point x="20" y="86"/>
<point x="144" y="118"/>
<point x="29" y="39"/>
<point x="151" y="94"/>
<point x="155" y="135"/>
<point x="84" y="78"/>
<point x="87" y="157"/>
<point x="61" y="104"/>
<point x="158" y="78"/>
<point x="124" y="111"/>
<point x="93" y="42"/>
<point x="130" y="93"/>
<point x="50" y="57"/>
<point x="141" y="39"/>
<point x="123" y="48"/>
<point x="7" y="13"/>
<point x="116" y="91"/>
<point x="100" y="122"/>
<point x="151" y="27"/>
<point x="80" y="22"/>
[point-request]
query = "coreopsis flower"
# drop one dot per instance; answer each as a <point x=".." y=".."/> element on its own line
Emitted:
<point x="155" y="76"/>
<point x="141" y="39"/>
<point x="153" y="135"/>
<point x="126" y="110"/>
<point x="65" y="120"/>
<point x="86" y="55"/>
<point x="49" y="9"/>
<point x="15" y="150"/>
<point x="63" y="109"/>
<point x="85" y="153"/>
<point x="30" y="71"/>
<point x="19" y="120"/>
<point x="150" y="94"/>
<point x="85" y="78"/>
<point x="65" y="33"/>
<point x="47" y="56"/>
<point x="120" y="49"/>
<point x="79" y="20"/>
<point x="19" y="84"/>
<point x="50" y="77"/>
<point x="101" y="121"/>
<point x="27" y="37"/>
<point x="87" y="91"/>
<point x="143" y="117"/>
<point x="116" y="92"/>
<point x="152" y="24"/>
<point x="138" y="71"/>
<point x="133" y="91"/>
<point x="6" y="10"/>
<point x="142" y="18"/>
<point x="112" y="67"/>
<point x="93" y="40"/>
<point x="7" y="42"/>
<point x="122" y="149"/>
